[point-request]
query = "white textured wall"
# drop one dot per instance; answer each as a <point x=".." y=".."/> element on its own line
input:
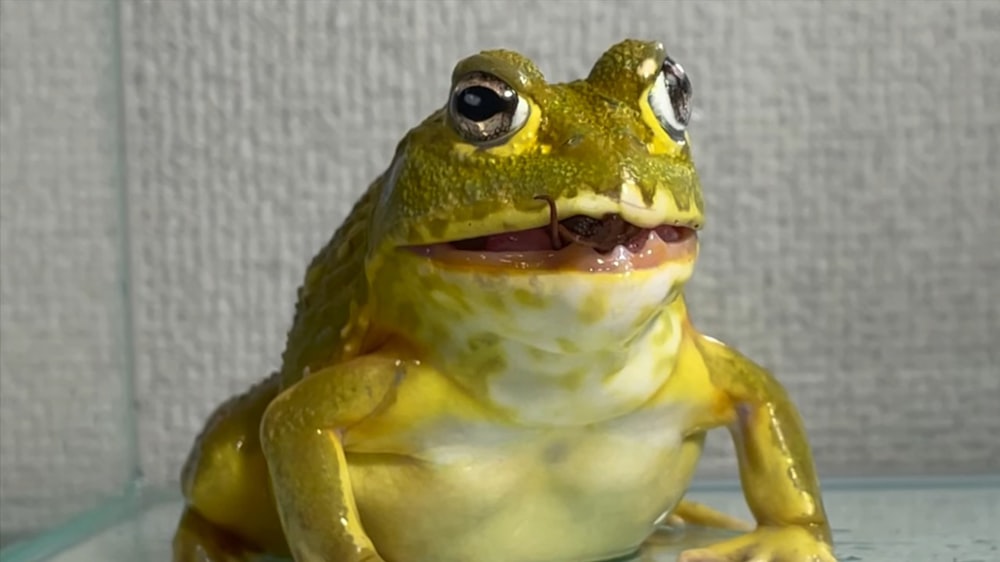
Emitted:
<point x="848" y="151"/>
<point x="62" y="441"/>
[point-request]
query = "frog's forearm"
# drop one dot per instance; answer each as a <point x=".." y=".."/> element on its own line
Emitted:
<point x="776" y="466"/>
<point x="301" y="439"/>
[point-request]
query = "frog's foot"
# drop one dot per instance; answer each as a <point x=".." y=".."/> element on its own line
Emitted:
<point x="197" y="540"/>
<point x="765" y="544"/>
<point x="693" y="513"/>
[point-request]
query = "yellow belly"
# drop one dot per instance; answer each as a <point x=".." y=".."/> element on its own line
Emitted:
<point x="456" y="473"/>
<point x="492" y="492"/>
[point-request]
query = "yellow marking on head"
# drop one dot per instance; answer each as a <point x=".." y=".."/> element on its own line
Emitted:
<point x="647" y="69"/>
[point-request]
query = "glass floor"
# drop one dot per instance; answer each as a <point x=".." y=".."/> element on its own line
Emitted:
<point x="948" y="520"/>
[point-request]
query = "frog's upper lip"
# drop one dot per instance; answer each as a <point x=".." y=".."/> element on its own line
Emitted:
<point x="575" y="247"/>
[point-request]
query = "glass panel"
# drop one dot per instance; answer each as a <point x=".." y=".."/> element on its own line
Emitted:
<point x="64" y="320"/>
<point x="918" y="520"/>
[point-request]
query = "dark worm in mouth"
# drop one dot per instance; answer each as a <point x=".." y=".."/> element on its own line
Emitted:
<point x="602" y="235"/>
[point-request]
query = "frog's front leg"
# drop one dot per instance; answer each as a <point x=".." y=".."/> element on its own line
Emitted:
<point x="776" y="467"/>
<point x="301" y="438"/>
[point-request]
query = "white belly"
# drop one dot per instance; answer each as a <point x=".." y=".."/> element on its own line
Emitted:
<point x="490" y="493"/>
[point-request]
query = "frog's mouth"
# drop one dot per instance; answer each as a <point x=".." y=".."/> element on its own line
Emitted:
<point x="579" y="242"/>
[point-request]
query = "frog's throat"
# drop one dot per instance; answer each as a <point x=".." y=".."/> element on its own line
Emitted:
<point x="549" y="348"/>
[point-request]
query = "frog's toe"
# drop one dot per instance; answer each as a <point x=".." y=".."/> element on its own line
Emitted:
<point x="765" y="544"/>
<point x="693" y="513"/>
<point x="197" y="540"/>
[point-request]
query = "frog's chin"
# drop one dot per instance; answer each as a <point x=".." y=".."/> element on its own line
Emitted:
<point x="531" y="250"/>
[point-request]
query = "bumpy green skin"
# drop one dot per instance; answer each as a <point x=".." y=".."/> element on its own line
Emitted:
<point x="432" y="411"/>
<point x="590" y="136"/>
<point x="590" y="133"/>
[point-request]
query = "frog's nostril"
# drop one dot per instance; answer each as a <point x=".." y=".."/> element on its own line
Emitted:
<point x="573" y="140"/>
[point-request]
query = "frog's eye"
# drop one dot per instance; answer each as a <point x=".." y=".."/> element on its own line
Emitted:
<point x="485" y="108"/>
<point x="670" y="99"/>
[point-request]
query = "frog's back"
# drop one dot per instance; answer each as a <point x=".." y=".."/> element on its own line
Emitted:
<point x="331" y="313"/>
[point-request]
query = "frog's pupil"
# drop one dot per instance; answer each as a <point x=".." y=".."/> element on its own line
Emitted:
<point x="479" y="103"/>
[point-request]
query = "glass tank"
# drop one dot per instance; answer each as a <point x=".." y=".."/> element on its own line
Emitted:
<point x="73" y="487"/>
<point x="903" y="520"/>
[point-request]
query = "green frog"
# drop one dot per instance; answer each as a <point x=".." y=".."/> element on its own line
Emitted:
<point x="492" y="358"/>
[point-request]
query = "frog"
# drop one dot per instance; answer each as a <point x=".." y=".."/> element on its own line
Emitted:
<point x="492" y="358"/>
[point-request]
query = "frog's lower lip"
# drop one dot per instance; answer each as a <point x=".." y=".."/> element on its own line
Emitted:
<point x="532" y="249"/>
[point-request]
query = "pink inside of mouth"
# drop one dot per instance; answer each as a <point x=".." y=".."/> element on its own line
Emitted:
<point x="533" y="249"/>
<point x="540" y="240"/>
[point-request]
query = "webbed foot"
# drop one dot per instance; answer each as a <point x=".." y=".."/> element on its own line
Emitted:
<point x="765" y="544"/>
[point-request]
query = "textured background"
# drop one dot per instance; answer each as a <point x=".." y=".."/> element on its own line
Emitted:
<point x="848" y="150"/>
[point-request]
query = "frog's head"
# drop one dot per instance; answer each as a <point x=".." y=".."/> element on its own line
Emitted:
<point x="606" y="153"/>
<point x="577" y="199"/>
